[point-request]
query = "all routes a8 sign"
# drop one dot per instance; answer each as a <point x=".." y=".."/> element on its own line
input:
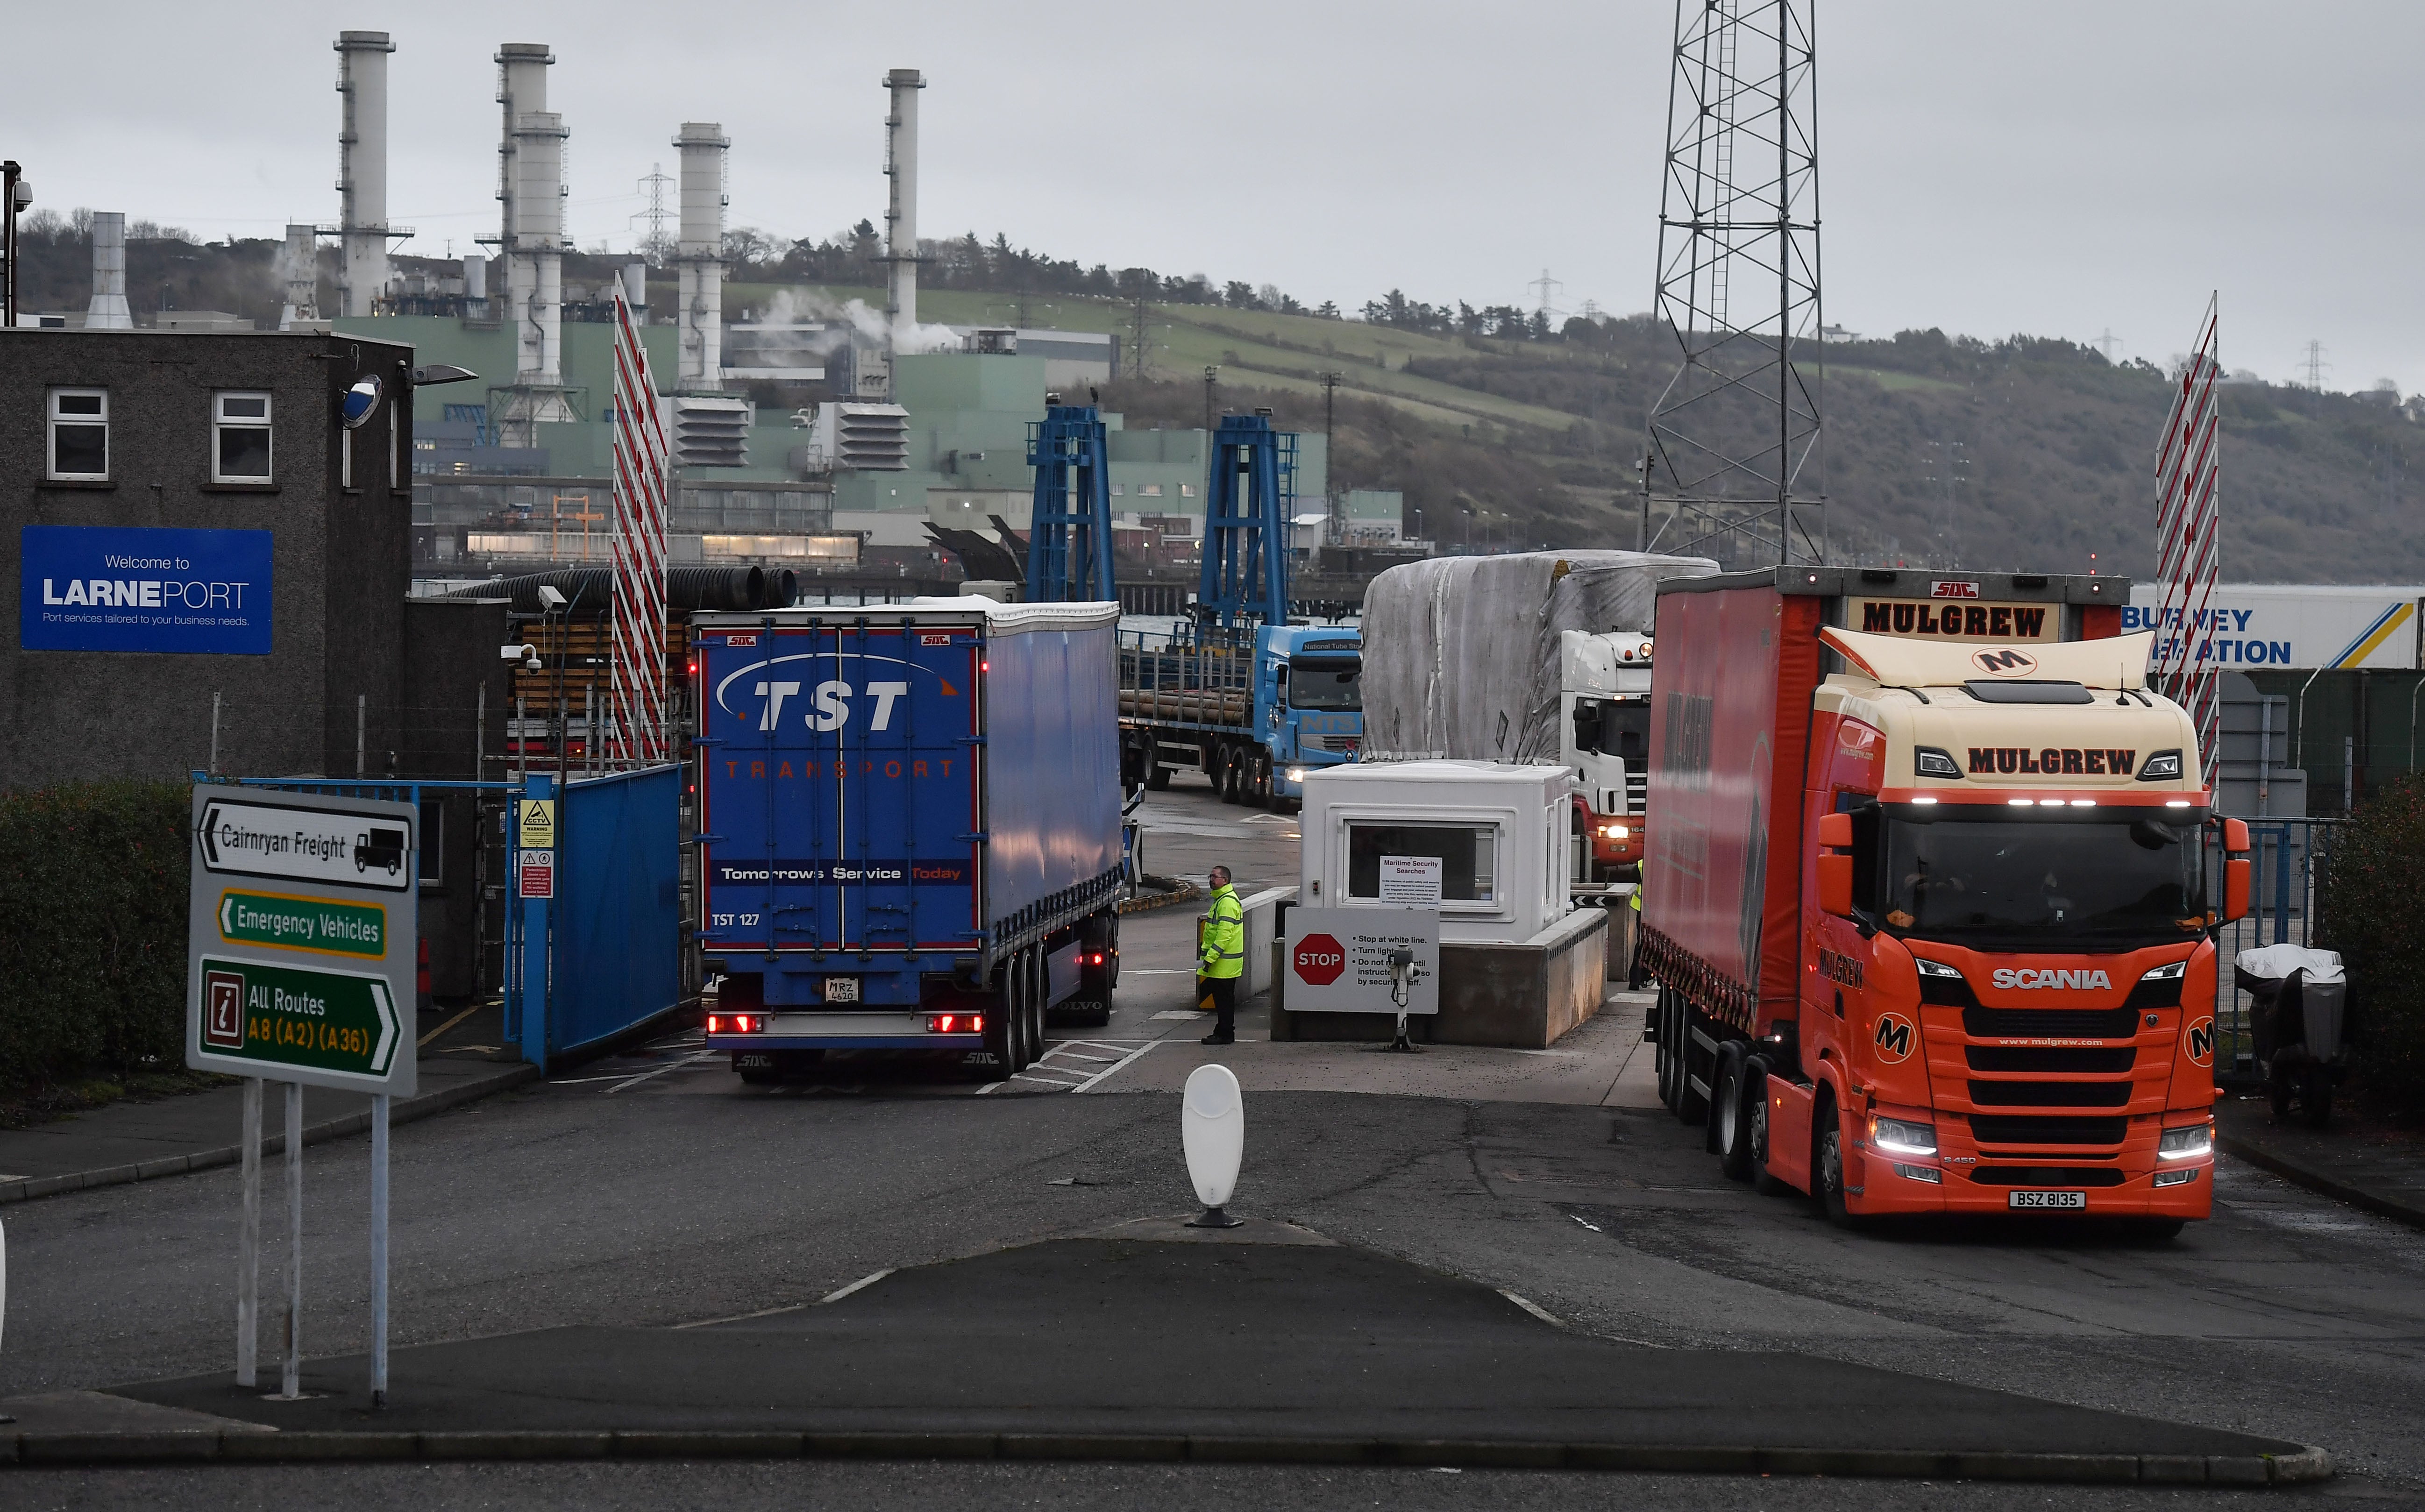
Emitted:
<point x="301" y="938"/>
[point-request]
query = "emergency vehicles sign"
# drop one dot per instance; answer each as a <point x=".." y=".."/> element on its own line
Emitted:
<point x="91" y="587"/>
<point x="1339" y="960"/>
<point x="299" y="943"/>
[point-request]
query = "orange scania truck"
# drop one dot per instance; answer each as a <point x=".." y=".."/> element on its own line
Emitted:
<point x="1930" y="895"/>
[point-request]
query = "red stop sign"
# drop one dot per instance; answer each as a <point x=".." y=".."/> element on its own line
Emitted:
<point x="1319" y="960"/>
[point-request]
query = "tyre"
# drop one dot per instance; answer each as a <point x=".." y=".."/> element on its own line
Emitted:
<point x="759" y="1075"/>
<point x="1263" y="781"/>
<point x="1229" y="776"/>
<point x="1827" y="1153"/>
<point x="1001" y="1038"/>
<point x="1039" y="993"/>
<point x="1691" y="1107"/>
<point x="1157" y="778"/>
<point x="1730" y="1114"/>
<point x="1666" y="1062"/>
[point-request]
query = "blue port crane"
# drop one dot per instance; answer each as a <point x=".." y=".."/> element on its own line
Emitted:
<point x="1069" y="530"/>
<point x="1250" y="486"/>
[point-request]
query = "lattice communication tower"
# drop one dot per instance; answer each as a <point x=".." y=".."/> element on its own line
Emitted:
<point x="1733" y="467"/>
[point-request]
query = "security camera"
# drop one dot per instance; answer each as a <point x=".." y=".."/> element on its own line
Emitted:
<point x="550" y="597"/>
<point x="517" y="653"/>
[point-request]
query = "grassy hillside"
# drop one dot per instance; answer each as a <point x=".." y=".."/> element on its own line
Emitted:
<point x="1536" y="441"/>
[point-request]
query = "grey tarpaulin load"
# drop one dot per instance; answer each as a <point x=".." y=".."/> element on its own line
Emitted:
<point x="1461" y="652"/>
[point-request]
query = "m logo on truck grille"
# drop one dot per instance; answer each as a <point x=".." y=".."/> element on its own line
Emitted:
<point x="2003" y="661"/>
<point x="1895" y="1038"/>
<point x="2201" y="1039"/>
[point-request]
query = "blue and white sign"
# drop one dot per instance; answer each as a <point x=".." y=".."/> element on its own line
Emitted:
<point x="106" y="588"/>
<point x="2300" y="626"/>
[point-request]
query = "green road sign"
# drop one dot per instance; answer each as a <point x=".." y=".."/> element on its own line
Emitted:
<point x="293" y="1017"/>
<point x="285" y="921"/>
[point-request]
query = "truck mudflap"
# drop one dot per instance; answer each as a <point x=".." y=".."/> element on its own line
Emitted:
<point x="1788" y="1132"/>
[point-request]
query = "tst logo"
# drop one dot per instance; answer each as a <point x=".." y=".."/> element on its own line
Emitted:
<point x="831" y="706"/>
<point x="2027" y="979"/>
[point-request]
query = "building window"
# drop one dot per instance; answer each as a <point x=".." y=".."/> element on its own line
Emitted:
<point x="79" y="423"/>
<point x="1465" y="858"/>
<point x="1187" y="491"/>
<point x="240" y="438"/>
<point x="1150" y="491"/>
<point x="1119" y="489"/>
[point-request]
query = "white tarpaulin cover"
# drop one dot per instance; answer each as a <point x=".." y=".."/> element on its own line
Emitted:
<point x="2275" y="962"/>
<point x="1461" y="652"/>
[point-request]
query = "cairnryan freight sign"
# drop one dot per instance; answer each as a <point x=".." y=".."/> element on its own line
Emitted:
<point x="121" y="588"/>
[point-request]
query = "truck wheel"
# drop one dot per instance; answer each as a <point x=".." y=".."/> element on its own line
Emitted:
<point x="1828" y="1153"/>
<point x="1229" y="776"/>
<point x="1729" y="1116"/>
<point x="1039" y="993"/>
<point x="1001" y="1037"/>
<point x="1157" y="778"/>
<point x="1665" y="1044"/>
<point x="1262" y="793"/>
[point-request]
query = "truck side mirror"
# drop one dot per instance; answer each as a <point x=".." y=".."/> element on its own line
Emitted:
<point x="2235" y="888"/>
<point x="2235" y="837"/>
<point x="1835" y="884"/>
<point x="1835" y="833"/>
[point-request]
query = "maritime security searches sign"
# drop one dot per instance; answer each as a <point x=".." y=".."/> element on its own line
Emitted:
<point x="112" y="589"/>
<point x="301" y="936"/>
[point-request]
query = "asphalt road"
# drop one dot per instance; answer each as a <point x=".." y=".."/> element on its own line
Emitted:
<point x="2286" y="1315"/>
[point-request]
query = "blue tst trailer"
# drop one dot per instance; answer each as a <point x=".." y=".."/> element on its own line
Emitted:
<point x="910" y="828"/>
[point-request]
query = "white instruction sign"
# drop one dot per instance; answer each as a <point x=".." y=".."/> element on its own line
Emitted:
<point x="1339" y="960"/>
<point x="1411" y="881"/>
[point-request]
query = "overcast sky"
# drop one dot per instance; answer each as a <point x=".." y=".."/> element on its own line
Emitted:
<point x="2060" y="168"/>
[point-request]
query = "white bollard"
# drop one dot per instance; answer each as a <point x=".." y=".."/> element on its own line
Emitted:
<point x="1212" y="1131"/>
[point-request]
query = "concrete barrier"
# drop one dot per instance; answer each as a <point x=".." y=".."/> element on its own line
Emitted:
<point x="1521" y="996"/>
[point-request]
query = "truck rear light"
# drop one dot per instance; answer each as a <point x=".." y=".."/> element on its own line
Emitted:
<point x="1095" y="959"/>
<point x="736" y="1023"/>
<point x="955" y="1023"/>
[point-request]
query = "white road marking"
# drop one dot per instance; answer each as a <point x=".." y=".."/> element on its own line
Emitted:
<point x="1586" y="1223"/>
<point x="1534" y="1307"/>
<point x="860" y="1285"/>
<point x="741" y="1317"/>
<point x="1099" y="1060"/>
<point x="1186" y="1013"/>
<point x="1107" y="1070"/>
<point x="1156" y="971"/>
<point x="686" y="1060"/>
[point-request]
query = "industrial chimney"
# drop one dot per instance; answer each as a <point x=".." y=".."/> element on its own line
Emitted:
<point x="108" y="311"/>
<point x="699" y="253"/>
<point x="901" y="216"/>
<point x="361" y="173"/>
<point x="521" y="87"/>
<point x="298" y="265"/>
<point x="538" y="248"/>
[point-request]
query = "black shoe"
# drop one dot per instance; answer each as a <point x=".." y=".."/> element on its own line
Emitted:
<point x="1220" y="1039"/>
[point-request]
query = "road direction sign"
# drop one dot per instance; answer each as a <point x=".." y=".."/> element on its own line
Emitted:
<point x="1339" y="959"/>
<point x="282" y="835"/>
<point x="302" y="981"/>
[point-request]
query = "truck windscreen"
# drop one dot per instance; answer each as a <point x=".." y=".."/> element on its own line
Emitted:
<point x="1990" y="877"/>
<point x="1331" y="685"/>
<point x="1613" y="727"/>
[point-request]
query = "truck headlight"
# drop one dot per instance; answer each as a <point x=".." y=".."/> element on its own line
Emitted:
<point x="1614" y="831"/>
<point x="2168" y="973"/>
<point x="1903" y="1136"/>
<point x="2162" y="766"/>
<point x="1935" y="968"/>
<point x="1296" y="773"/>
<point x="2191" y="1142"/>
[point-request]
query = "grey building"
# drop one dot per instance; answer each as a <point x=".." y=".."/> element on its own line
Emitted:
<point x="193" y="519"/>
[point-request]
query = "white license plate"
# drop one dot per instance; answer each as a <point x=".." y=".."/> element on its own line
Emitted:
<point x="842" y="989"/>
<point x="2046" y="1200"/>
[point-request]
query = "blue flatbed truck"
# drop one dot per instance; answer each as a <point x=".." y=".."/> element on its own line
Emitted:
<point x="910" y="828"/>
<point x="1253" y="711"/>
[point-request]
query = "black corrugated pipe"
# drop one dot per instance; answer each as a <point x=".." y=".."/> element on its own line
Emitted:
<point x="589" y="590"/>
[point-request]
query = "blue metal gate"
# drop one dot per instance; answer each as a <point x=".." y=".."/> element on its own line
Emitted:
<point x="2290" y="859"/>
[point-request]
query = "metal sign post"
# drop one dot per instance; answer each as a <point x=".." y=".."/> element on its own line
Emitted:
<point x="302" y="949"/>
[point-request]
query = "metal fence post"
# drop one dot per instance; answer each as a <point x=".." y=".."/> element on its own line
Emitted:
<point x="361" y="722"/>
<point x="292" y="1378"/>
<point x="378" y="1249"/>
<point x="536" y="985"/>
<point x="248" y="1265"/>
<point x="215" y="735"/>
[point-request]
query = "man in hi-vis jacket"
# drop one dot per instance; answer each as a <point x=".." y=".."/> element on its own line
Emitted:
<point x="1223" y="958"/>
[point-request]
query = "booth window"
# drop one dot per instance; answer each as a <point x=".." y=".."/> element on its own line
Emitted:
<point x="240" y="438"/>
<point x="1468" y="855"/>
<point x="79" y="425"/>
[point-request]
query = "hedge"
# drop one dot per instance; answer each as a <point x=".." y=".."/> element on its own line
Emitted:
<point x="2373" y="912"/>
<point x="93" y="880"/>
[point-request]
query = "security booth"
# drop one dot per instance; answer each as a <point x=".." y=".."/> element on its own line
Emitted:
<point x="1483" y="844"/>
